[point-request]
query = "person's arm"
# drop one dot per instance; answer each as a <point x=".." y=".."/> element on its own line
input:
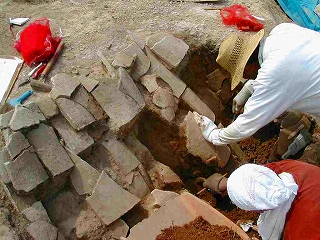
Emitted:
<point x="265" y="104"/>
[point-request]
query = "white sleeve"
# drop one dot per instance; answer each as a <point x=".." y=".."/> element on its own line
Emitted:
<point x="265" y="104"/>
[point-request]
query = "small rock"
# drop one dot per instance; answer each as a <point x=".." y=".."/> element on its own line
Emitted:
<point x="5" y="119"/>
<point x="83" y="176"/>
<point x="168" y="114"/>
<point x="162" y="197"/>
<point x="142" y="63"/>
<point x="137" y="39"/>
<point x="137" y="185"/>
<point x="123" y="60"/>
<point x="17" y="143"/>
<point x="49" y="149"/>
<point x="76" y="114"/>
<point x="64" y="85"/>
<point x="84" y="72"/>
<point x="88" y="83"/>
<point x="163" y="98"/>
<point x="97" y="129"/>
<point x="128" y="87"/>
<point x="171" y="50"/>
<point x="25" y="116"/>
<point x="105" y="200"/>
<point x="42" y="230"/>
<point x="76" y="141"/>
<point x="26" y="172"/>
<point x="48" y="107"/>
<point x="150" y="82"/>
<point x="196" y="104"/>
<point x="215" y="80"/>
<point x="36" y="213"/>
<point x="4" y="157"/>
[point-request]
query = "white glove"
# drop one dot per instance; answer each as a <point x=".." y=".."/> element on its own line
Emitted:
<point x="209" y="130"/>
<point x="242" y="97"/>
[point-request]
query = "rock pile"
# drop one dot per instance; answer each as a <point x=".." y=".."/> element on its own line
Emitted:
<point x="75" y="150"/>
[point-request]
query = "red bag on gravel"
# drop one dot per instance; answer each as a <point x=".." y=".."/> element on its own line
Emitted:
<point x="36" y="43"/>
<point x="240" y="16"/>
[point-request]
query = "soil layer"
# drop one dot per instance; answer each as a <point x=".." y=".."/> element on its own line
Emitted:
<point x="199" y="229"/>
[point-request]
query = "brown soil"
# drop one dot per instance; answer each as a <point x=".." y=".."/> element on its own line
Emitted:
<point x="257" y="151"/>
<point x="199" y="229"/>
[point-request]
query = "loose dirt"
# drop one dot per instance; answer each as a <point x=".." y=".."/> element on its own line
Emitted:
<point x="199" y="229"/>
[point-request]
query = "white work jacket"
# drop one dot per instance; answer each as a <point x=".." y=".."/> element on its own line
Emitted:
<point x="289" y="79"/>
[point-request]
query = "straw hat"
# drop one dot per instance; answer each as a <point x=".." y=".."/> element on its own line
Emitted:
<point x="235" y="52"/>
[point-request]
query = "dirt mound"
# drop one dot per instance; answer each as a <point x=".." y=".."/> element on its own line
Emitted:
<point x="199" y="229"/>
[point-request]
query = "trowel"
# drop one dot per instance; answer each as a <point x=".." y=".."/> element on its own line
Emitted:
<point x="17" y="101"/>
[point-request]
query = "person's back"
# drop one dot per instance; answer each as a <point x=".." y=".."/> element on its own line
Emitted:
<point x="302" y="221"/>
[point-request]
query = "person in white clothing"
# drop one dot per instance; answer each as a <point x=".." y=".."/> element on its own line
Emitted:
<point x="288" y="79"/>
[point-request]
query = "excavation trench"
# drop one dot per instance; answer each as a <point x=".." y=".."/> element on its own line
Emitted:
<point x="168" y="145"/>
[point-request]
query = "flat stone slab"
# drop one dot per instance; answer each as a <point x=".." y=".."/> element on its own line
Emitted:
<point x="77" y="115"/>
<point x="198" y="146"/>
<point x="42" y="230"/>
<point x="128" y="87"/>
<point x="121" y="108"/>
<point x="150" y="82"/>
<point x="25" y="116"/>
<point x="176" y="84"/>
<point x="109" y="201"/>
<point x="76" y="141"/>
<point x="63" y="85"/>
<point x="155" y="38"/>
<point x="196" y="104"/>
<point x="88" y="83"/>
<point x="142" y="62"/>
<point x="136" y="39"/>
<point x="4" y="157"/>
<point x="83" y="176"/>
<point x="26" y="172"/>
<point x="171" y="50"/>
<point x="163" y="98"/>
<point x="123" y="157"/>
<point x="36" y="213"/>
<point x="49" y="149"/>
<point x="5" y="119"/>
<point x="48" y="107"/>
<point x="123" y="60"/>
<point x="16" y="144"/>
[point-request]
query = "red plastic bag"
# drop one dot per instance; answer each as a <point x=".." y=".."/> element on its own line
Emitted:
<point x="36" y="43"/>
<point x="240" y="16"/>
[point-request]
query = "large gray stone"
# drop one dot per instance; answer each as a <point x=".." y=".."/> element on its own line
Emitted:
<point x="76" y="141"/>
<point x="5" y="119"/>
<point x="109" y="201"/>
<point x="48" y="107"/>
<point x="4" y="157"/>
<point x="155" y="38"/>
<point x="78" y="116"/>
<point x="25" y="116"/>
<point x="163" y="98"/>
<point x="121" y="108"/>
<point x="83" y="176"/>
<point x="49" y="149"/>
<point x="16" y="144"/>
<point x="135" y="184"/>
<point x="88" y="83"/>
<point x="128" y="87"/>
<point x="36" y="213"/>
<point x="142" y="62"/>
<point x="157" y="68"/>
<point x="122" y="156"/>
<point x="171" y="50"/>
<point x="196" y="104"/>
<point x="26" y="172"/>
<point x="150" y="82"/>
<point x="42" y="230"/>
<point x="63" y="85"/>
<point x="198" y="146"/>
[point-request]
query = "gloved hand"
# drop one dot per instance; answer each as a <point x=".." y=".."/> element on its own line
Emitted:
<point x="212" y="182"/>
<point x="209" y="130"/>
<point x="242" y="97"/>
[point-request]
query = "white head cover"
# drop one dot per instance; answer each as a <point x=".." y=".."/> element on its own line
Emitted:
<point x="255" y="187"/>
